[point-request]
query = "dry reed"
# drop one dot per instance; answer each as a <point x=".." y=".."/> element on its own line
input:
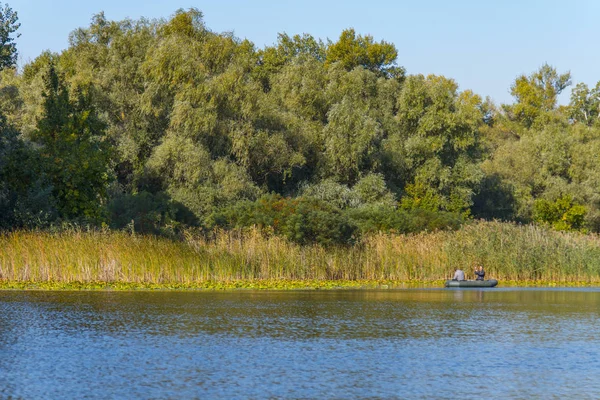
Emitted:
<point x="509" y="252"/>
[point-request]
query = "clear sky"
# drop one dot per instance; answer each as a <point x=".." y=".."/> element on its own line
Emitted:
<point x="483" y="45"/>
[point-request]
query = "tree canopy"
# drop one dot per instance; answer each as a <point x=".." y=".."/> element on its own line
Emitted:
<point x="165" y="124"/>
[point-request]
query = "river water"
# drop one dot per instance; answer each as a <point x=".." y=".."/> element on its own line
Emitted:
<point x="417" y="343"/>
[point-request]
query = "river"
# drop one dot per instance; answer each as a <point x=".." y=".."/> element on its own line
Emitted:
<point x="410" y="343"/>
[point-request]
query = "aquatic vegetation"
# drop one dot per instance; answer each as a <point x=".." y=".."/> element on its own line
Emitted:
<point x="263" y="284"/>
<point x="515" y="254"/>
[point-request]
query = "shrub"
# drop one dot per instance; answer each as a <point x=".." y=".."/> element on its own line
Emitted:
<point x="303" y="219"/>
<point x="371" y="189"/>
<point x="329" y="191"/>
<point x="145" y="212"/>
<point x="381" y="218"/>
<point x="562" y="214"/>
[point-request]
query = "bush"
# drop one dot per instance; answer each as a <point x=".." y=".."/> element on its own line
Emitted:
<point x="381" y="218"/>
<point x="378" y="218"/>
<point x="303" y="220"/>
<point x="308" y="220"/>
<point x="370" y="189"/>
<point x="149" y="213"/>
<point x="314" y="221"/>
<point x="331" y="192"/>
<point x="562" y="214"/>
<point x="425" y="220"/>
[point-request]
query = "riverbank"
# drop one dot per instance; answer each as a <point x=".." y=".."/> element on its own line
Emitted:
<point x="262" y="285"/>
<point x="513" y="254"/>
<point x="212" y="285"/>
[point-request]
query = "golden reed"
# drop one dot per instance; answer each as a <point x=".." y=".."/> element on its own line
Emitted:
<point x="509" y="252"/>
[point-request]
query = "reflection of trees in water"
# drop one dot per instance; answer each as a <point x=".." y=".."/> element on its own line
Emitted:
<point x="300" y="315"/>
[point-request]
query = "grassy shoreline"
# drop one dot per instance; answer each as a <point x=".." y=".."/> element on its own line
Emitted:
<point x="262" y="285"/>
<point x="80" y="260"/>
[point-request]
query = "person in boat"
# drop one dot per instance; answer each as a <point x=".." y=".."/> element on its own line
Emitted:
<point x="480" y="273"/>
<point x="459" y="275"/>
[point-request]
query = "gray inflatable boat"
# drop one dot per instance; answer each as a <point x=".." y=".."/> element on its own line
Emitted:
<point x="475" y="284"/>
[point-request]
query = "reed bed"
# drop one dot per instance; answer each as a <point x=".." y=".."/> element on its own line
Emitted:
<point x="508" y="252"/>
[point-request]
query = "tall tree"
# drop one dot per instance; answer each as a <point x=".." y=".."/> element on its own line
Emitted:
<point x="585" y="104"/>
<point x="25" y="194"/>
<point x="8" y="26"/>
<point x="537" y="93"/>
<point x="352" y="50"/>
<point x="273" y="58"/>
<point x="439" y="141"/>
<point x="74" y="155"/>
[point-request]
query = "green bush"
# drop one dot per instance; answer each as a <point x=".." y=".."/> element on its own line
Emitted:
<point x="370" y="189"/>
<point x="378" y="218"/>
<point x="149" y="213"/>
<point x="332" y="192"/>
<point x="308" y="220"/>
<point x="425" y="220"/>
<point x="562" y="214"/>
<point x="303" y="219"/>
<point x="314" y="221"/>
<point x="381" y="218"/>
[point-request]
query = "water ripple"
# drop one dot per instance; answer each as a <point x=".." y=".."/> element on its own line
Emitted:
<point x="348" y="344"/>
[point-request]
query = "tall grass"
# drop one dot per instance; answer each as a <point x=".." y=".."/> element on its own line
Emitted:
<point x="507" y="251"/>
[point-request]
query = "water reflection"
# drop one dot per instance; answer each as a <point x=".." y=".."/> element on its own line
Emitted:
<point x="520" y="342"/>
<point x="297" y="315"/>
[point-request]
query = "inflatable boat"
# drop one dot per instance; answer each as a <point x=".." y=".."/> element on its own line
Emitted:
<point x="486" y="283"/>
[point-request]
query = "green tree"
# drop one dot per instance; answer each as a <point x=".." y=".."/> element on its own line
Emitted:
<point x="110" y="57"/>
<point x="437" y="144"/>
<point x="358" y="121"/>
<point x="536" y="94"/>
<point x="25" y="194"/>
<point x="585" y="104"/>
<point x="352" y="50"/>
<point x="298" y="89"/>
<point x="562" y="214"/>
<point x="351" y="139"/>
<point x="288" y="49"/>
<point x="8" y="26"/>
<point x="554" y="162"/>
<point x="190" y="177"/>
<point x="74" y="156"/>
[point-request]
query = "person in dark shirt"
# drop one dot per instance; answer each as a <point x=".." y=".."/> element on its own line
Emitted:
<point x="479" y="272"/>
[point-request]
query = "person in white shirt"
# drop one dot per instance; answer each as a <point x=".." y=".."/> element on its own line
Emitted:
<point x="459" y="275"/>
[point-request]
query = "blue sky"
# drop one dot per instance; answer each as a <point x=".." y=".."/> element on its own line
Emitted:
<point x="483" y="45"/>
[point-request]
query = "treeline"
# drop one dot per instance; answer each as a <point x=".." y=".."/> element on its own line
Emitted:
<point x="159" y="125"/>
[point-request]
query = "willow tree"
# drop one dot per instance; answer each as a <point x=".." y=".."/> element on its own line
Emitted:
<point x="352" y="50"/>
<point x="438" y="141"/>
<point x="190" y="177"/>
<point x="584" y="106"/>
<point x="536" y="95"/>
<point x="272" y="59"/>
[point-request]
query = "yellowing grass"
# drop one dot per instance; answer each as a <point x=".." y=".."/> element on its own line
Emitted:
<point x="508" y="252"/>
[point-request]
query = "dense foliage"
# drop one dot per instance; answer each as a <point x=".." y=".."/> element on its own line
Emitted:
<point x="156" y="125"/>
